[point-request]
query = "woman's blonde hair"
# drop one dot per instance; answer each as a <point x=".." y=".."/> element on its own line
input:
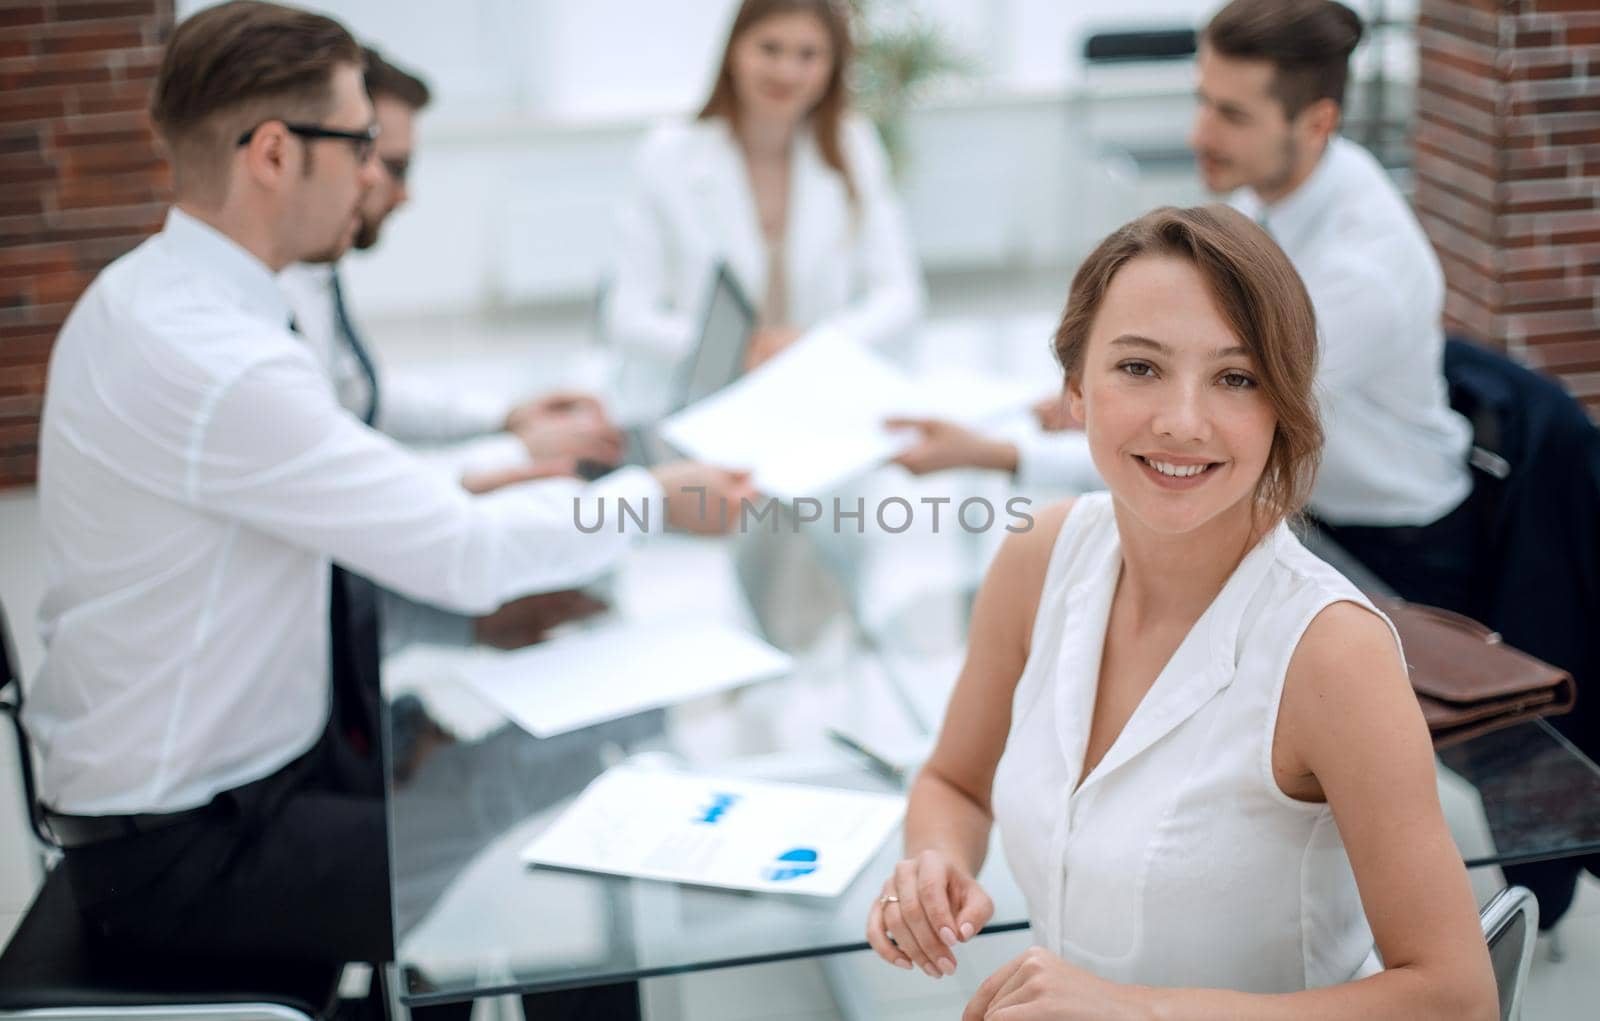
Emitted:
<point x="1263" y="299"/>
<point x="828" y="115"/>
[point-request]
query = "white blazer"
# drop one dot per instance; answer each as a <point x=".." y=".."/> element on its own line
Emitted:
<point x="691" y="206"/>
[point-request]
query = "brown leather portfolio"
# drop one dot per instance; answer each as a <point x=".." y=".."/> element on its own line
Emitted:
<point x="1467" y="680"/>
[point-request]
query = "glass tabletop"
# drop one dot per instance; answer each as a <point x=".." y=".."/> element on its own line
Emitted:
<point x="472" y="920"/>
<point x="469" y="790"/>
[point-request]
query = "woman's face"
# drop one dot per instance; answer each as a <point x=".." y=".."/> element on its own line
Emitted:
<point x="1176" y="420"/>
<point x="781" y="65"/>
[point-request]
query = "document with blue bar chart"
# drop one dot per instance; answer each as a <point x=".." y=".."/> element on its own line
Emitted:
<point x="736" y="834"/>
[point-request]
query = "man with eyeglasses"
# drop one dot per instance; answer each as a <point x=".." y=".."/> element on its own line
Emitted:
<point x="206" y="506"/>
<point x="556" y="431"/>
<point x="508" y="444"/>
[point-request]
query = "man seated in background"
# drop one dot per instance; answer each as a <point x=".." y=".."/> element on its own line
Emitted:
<point x="556" y="430"/>
<point x="204" y="752"/>
<point x="545" y="437"/>
<point x="1394" y="480"/>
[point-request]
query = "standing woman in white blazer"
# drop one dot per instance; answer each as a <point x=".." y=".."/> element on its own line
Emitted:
<point x="780" y="180"/>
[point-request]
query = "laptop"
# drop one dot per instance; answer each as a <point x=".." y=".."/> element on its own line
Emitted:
<point x="726" y="326"/>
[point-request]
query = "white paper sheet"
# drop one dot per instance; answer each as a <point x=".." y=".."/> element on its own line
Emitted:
<point x="618" y="669"/>
<point x="812" y="418"/>
<point x="737" y="834"/>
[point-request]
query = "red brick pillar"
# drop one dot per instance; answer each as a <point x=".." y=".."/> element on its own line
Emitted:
<point x="81" y="180"/>
<point x="1508" y="176"/>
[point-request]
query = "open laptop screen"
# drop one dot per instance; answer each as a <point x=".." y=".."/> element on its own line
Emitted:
<point x="724" y="335"/>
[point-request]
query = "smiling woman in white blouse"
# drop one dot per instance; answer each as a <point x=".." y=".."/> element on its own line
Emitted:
<point x="1212" y="780"/>
<point x="777" y="178"/>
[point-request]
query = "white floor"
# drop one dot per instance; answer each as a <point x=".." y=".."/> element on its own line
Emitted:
<point x="791" y="991"/>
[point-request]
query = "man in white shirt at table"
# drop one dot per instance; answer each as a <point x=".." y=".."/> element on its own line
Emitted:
<point x="475" y="437"/>
<point x="1394" y="480"/>
<point x="557" y="430"/>
<point x="197" y="480"/>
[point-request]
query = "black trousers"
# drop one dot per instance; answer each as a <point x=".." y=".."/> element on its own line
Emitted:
<point x="1431" y="563"/>
<point x="291" y="867"/>
<point x="295" y="865"/>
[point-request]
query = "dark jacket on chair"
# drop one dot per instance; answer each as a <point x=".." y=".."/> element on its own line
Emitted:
<point x="1539" y="576"/>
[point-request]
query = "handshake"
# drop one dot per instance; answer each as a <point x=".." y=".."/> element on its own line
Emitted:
<point x="566" y="431"/>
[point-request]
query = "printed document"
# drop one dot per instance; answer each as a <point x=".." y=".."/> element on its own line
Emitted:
<point x="737" y="834"/>
<point x="812" y="418"/>
<point x="614" y="670"/>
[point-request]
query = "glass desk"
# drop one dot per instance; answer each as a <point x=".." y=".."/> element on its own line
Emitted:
<point x="471" y="920"/>
<point x="468" y="790"/>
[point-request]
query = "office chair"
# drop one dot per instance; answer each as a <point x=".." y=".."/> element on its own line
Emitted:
<point x="53" y="971"/>
<point x="1127" y="117"/>
<point x="1510" y="925"/>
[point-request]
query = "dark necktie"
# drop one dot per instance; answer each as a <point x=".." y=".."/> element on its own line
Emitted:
<point x="341" y="318"/>
<point x="353" y="631"/>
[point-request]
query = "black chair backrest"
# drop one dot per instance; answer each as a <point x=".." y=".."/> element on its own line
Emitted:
<point x="1140" y="45"/>
<point x="11" y="705"/>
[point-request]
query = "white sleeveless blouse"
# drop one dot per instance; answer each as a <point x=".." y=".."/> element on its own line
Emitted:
<point x="1178" y="861"/>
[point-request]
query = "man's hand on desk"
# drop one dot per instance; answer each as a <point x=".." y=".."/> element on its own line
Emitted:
<point x="557" y="402"/>
<point x="767" y="342"/>
<point x="703" y="499"/>
<point x="566" y="425"/>
<point x="941" y="445"/>
<point x="529" y="619"/>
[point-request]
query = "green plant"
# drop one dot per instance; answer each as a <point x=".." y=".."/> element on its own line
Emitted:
<point x="899" y="53"/>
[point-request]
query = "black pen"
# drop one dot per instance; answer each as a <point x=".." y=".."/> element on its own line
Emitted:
<point x="877" y="763"/>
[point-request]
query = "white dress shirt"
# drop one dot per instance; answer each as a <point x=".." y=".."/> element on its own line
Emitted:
<point x="410" y="411"/>
<point x="1396" y="454"/>
<point x="197" y="476"/>
<point x="848" y="264"/>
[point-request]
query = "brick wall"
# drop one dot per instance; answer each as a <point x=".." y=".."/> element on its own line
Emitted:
<point x="1508" y="176"/>
<point x="81" y="180"/>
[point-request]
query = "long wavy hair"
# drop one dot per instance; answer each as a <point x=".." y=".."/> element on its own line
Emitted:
<point x="828" y="114"/>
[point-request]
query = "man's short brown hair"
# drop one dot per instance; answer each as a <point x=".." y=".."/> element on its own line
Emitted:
<point x="385" y="79"/>
<point x="1308" y="42"/>
<point x="233" y="65"/>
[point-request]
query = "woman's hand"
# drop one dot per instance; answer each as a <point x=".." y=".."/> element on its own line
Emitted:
<point x="928" y="906"/>
<point x="1039" y="986"/>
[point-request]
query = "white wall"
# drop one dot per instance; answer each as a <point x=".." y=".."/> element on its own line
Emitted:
<point x="539" y="104"/>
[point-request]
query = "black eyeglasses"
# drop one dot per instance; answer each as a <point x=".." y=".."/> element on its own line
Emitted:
<point x="363" y="142"/>
<point x="397" y="169"/>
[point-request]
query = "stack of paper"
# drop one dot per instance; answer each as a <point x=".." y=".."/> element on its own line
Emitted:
<point x="615" y="670"/>
<point x="738" y="834"/>
<point x="812" y="418"/>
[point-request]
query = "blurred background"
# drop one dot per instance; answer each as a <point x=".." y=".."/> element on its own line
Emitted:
<point x="1014" y="150"/>
<point x="1021" y="131"/>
